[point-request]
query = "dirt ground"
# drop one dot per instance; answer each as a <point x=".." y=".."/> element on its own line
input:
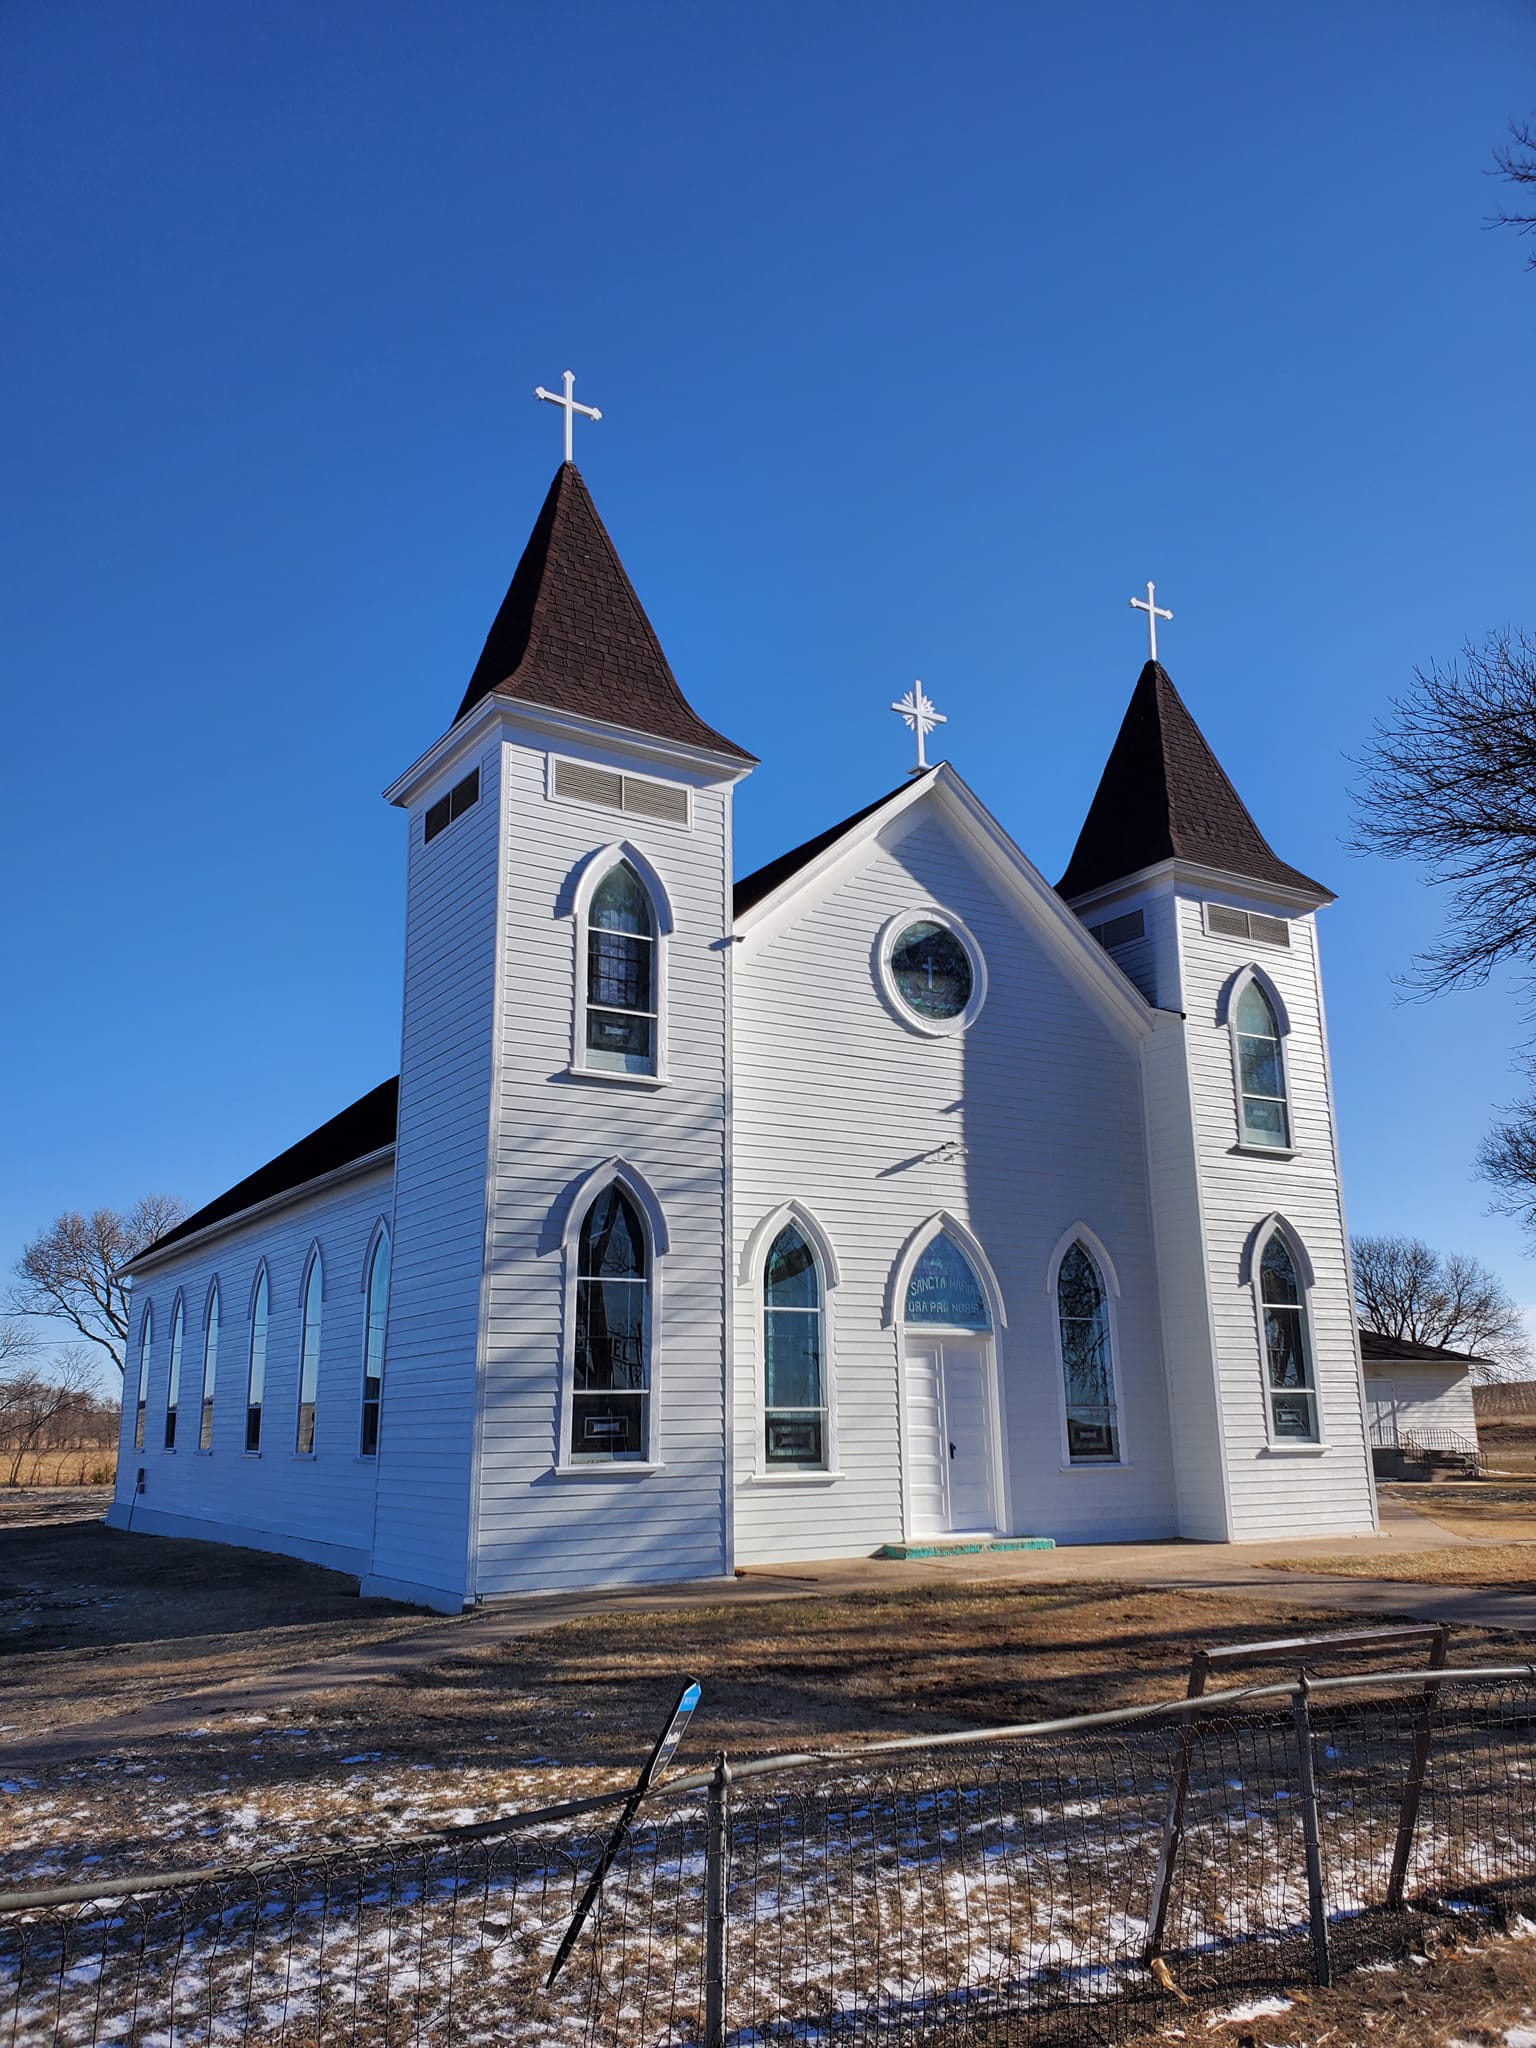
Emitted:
<point x="1465" y="1990"/>
<point x="95" y="1620"/>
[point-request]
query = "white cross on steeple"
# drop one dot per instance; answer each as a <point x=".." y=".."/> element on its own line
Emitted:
<point x="569" y="406"/>
<point x="920" y="717"/>
<point x="1151" y="607"/>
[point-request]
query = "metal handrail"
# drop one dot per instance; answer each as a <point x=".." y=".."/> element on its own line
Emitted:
<point x="112" y="1889"/>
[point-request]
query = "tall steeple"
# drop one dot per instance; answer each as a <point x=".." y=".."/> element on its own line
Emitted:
<point x="1164" y="796"/>
<point x="571" y="632"/>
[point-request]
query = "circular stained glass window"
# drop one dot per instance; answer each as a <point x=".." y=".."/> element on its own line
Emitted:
<point x="932" y="970"/>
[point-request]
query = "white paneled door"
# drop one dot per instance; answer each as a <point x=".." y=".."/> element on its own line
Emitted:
<point x="949" y="1436"/>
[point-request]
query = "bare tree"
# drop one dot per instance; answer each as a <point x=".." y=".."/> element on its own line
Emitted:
<point x="1516" y="161"/>
<point x="16" y="1340"/>
<point x="33" y="1404"/>
<point x="1450" y="781"/>
<point x="73" y="1270"/>
<point x="1404" y="1288"/>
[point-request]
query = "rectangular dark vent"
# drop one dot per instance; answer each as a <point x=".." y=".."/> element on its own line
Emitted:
<point x="1227" y="923"/>
<point x="1119" y="931"/>
<point x="458" y="800"/>
<point x="584" y="784"/>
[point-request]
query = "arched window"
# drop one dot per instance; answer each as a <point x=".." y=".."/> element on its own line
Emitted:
<point x="1266" y="1117"/>
<point x="621" y="1002"/>
<point x="944" y="1289"/>
<point x="1087" y="1364"/>
<point x="1290" y="1389"/>
<point x="794" y="1354"/>
<point x="210" y="1369"/>
<point x="611" y="1382"/>
<point x="373" y="1343"/>
<point x="309" y="1356"/>
<point x="173" y="1378"/>
<point x="146" y="1338"/>
<point x="256" y="1378"/>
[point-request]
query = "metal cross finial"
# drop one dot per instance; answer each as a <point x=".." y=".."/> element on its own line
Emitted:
<point x="1154" y="612"/>
<point x="569" y="406"/>
<point x="920" y="717"/>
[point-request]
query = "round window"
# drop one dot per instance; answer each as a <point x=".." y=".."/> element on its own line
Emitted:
<point x="932" y="970"/>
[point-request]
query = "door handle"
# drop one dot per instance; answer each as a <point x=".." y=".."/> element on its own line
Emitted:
<point x="951" y="1451"/>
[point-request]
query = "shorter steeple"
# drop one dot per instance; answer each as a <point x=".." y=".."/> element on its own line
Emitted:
<point x="1164" y="796"/>
<point x="571" y="632"/>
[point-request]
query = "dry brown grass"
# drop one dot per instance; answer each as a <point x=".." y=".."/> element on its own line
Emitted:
<point x="93" y="1467"/>
<point x="1483" y="1564"/>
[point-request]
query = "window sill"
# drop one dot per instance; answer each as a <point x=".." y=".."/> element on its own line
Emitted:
<point x="1294" y="1450"/>
<point x="628" y="1468"/>
<point x="813" y="1475"/>
<point x="1242" y="1151"/>
<point x="1099" y="1465"/>
<point x="612" y="1074"/>
<point x="250" y="1454"/>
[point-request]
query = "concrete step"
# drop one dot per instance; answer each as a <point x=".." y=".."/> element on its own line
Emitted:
<point x="963" y="1546"/>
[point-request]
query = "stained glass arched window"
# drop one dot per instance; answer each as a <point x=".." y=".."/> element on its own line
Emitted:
<point x="173" y="1377"/>
<point x="794" y="1354"/>
<point x="611" y="1386"/>
<point x="146" y="1338"/>
<point x="309" y="1357"/>
<point x="373" y="1345"/>
<point x="256" y="1375"/>
<point x="1287" y="1349"/>
<point x="1082" y="1308"/>
<point x="621" y="975"/>
<point x="210" y="1370"/>
<point x="945" y="1290"/>
<point x="1261" y="1071"/>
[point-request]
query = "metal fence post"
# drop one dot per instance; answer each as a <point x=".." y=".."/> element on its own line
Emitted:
<point x="1173" y="1824"/>
<point x="1317" y="1904"/>
<point x="1418" y="1765"/>
<point x="716" y="1851"/>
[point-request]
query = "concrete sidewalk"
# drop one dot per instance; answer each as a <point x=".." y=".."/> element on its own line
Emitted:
<point x="1185" y="1567"/>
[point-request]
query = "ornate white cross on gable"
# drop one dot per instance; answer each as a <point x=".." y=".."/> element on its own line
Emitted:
<point x="1154" y="612"/>
<point x="919" y="716"/>
<point x="569" y="406"/>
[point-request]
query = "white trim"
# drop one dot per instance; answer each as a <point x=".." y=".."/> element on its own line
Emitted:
<point x="1230" y="995"/>
<point x="1093" y="1244"/>
<point x="574" y="1206"/>
<point x="754" y="1276"/>
<point x="885" y="945"/>
<point x="1253" y="1249"/>
<point x="901" y="1273"/>
<point x="1198" y="878"/>
<point x="575" y="902"/>
<point x="351" y="1169"/>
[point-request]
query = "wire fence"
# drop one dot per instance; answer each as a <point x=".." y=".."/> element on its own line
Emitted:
<point x="996" y="1889"/>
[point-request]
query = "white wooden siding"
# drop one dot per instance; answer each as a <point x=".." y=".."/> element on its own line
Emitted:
<point x="538" y="1527"/>
<point x="1274" y="1492"/>
<point x="1426" y="1396"/>
<point x="320" y="1507"/>
<point x="836" y="1104"/>
<point x="426" y="1449"/>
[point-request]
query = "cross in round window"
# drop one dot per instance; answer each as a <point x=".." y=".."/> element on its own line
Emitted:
<point x="932" y="970"/>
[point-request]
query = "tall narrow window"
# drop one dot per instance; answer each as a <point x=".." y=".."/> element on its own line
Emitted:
<point x="210" y="1370"/>
<point x="621" y="975"/>
<point x="610" y="1399"/>
<point x="1083" y="1308"/>
<point x="256" y="1379"/>
<point x="173" y="1378"/>
<point x="1261" y="1071"/>
<point x="309" y="1358"/>
<point x="1288" y="1356"/>
<point x="373" y="1344"/>
<point x="794" y="1370"/>
<point x="146" y="1338"/>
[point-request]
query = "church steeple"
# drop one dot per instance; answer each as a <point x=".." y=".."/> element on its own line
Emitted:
<point x="571" y="632"/>
<point x="1164" y="796"/>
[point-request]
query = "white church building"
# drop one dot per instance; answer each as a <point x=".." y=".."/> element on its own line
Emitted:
<point x="889" y="1196"/>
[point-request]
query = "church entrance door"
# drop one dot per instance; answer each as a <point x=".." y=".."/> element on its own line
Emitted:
<point x="949" y="1435"/>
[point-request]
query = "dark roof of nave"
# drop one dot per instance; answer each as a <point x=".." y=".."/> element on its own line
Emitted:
<point x="572" y="634"/>
<point x="763" y="881"/>
<point x="1165" y="796"/>
<point x="1376" y="1348"/>
<point x="368" y="1125"/>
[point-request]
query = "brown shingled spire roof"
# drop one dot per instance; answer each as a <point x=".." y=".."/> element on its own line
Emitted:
<point x="571" y="633"/>
<point x="1164" y="796"/>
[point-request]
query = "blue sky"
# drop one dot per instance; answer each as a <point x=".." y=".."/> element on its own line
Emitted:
<point x="923" y="336"/>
